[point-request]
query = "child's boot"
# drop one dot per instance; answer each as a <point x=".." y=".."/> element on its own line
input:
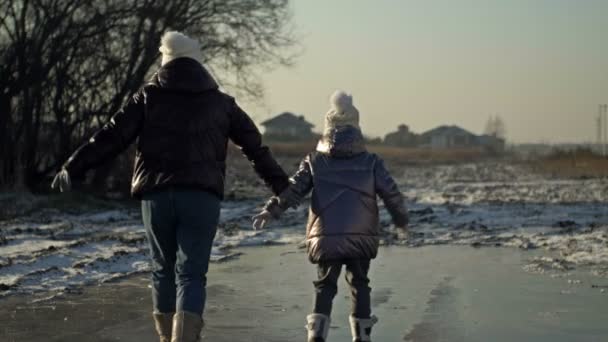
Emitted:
<point x="318" y="327"/>
<point x="361" y="328"/>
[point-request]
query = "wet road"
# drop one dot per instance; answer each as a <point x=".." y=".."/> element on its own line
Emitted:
<point x="428" y="294"/>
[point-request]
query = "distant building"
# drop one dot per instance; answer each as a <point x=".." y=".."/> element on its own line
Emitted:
<point x="288" y="127"/>
<point x="449" y="137"/>
<point x="492" y="143"/>
<point x="457" y="137"/>
<point x="403" y="137"/>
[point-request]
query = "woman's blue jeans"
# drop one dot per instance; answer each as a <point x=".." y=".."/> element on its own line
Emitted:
<point x="180" y="227"/>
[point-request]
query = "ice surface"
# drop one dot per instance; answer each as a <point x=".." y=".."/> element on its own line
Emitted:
<point x="429" y="294"/>
<point x="482" y="205"/>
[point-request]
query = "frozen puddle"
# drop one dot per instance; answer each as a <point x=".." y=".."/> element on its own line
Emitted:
<point x="428" y="294"/>
<point x="481" y="205"/>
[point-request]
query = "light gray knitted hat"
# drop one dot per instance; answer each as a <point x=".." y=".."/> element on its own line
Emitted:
<point x="342" y="112"/>
<point x="175" y="44"/>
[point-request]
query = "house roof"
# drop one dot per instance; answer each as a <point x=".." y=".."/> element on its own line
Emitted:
<point x="287" y="119"/>
<point x="447" y="130"/>
<point x="490" y="138"/>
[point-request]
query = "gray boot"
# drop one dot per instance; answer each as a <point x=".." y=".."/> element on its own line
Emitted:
<point x="318" y="327"/>
<point x="163" y="323"/>
<point x="187" y="327"/>
<point x="361" y="328"/>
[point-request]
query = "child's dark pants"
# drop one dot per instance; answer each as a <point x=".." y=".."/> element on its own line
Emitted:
<point x="327" y="286"/>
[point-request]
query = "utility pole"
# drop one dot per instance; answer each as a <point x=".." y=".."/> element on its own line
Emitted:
<point x="600" y="130"/>
<point x="605" y="128"/>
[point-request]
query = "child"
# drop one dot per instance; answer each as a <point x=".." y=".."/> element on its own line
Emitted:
<point x="343" y="227"/>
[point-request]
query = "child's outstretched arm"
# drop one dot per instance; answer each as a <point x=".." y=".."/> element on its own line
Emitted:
<point x="300" y="185"/>
<point x="389" y="192"/>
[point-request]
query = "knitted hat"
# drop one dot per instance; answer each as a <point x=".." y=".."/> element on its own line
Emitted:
<point x="341" y="112"/>
<point x="174" y="45"/>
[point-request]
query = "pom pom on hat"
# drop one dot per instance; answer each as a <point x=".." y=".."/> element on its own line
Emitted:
<point x="342" y="112"/>
<point x="341" y="100"/>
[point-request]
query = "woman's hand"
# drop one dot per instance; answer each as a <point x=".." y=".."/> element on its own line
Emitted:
<point x="260" y="220"/>
<point x="62" y="181"/>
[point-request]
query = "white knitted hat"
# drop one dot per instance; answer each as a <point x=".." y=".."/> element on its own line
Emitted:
<point x="342" y="112"/>
<point x="175" y="44"/>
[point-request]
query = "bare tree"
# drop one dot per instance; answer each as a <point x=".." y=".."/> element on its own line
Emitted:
<point x="67" y="65"/>
<point x="496" y="127"/>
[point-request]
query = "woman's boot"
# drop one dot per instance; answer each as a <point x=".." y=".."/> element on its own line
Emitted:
<point x="163" y="323"/>
<point x="361" y="328"/>
<point x="318" y="327"/>
<point x="187" y="327"/>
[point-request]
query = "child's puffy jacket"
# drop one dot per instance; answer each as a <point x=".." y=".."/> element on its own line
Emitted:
<point x="344" y="179"/>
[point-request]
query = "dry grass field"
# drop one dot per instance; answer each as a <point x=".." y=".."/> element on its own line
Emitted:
<point x="396" y="155"/>
<point x="573" y="164"/>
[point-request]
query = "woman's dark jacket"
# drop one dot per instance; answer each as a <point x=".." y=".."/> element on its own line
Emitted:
<point x="181" y="123"/>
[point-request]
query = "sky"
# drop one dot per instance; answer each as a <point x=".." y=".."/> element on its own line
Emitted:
<point x="541" y="65"/>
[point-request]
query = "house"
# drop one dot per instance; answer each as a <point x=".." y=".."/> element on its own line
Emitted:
<point x="449" y="137"/>
<point x="403" y="137"/>
<point x="491" y="143"/>
<point x="288" y="127"/>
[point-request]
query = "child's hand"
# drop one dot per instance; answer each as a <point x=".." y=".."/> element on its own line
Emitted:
<point x="402" y="232"/>
<point x="260" y="220"/>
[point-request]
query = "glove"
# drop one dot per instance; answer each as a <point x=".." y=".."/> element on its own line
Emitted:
<point x="402" y="232"/>
<point x="260" y="220"/>
<point x="62" y="181"/>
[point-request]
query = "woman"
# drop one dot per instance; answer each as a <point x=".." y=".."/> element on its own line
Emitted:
<point x="182" y="123"/>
